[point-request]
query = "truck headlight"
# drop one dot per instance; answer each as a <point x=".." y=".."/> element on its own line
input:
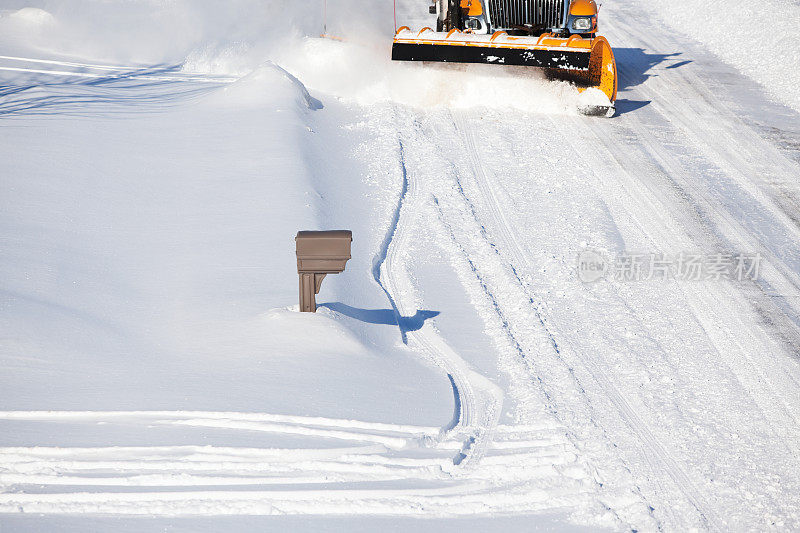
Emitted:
<point x="473" y="24"/>
<point x="582" y="23"/>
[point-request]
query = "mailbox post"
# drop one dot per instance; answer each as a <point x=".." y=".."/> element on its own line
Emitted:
<point x="319" y="253"/>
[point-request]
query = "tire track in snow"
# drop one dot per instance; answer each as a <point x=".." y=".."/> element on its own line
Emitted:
<point x="760" y="170"/>
<point x="377" y="268"/>
<point x="706" y="303"/>
<point x="172" y="416"/>
<point x="94" y="469"/>
<point x="430" y="151"/>
<point x="416" y="501"/>
<point x="745" y="191"/>
<point x="601" y="145"/>
<point x="661" y="462"/>
<point x="518" y="262"/>
<point x="380" y="259"/>
<point x="213" y="480"/>
<point x="477" y="400"/>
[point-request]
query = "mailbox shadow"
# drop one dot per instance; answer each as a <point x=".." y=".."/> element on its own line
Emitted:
<point x="382" y="316"/>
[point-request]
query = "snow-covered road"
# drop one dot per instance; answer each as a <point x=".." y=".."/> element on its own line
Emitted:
<point x="464" y="369"/>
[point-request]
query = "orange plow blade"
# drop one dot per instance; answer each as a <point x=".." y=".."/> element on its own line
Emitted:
<point x="600" y="75"/>
<point x="587" y="62"/>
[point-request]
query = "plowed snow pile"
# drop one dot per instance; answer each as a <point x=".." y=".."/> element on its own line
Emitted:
<point x="363" y="72"/>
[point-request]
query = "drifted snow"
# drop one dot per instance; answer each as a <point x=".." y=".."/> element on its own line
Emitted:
<point x="156" y="167"/>
<point x="32" y="17"/>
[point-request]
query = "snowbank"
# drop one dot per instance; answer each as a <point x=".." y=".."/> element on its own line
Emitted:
<point x="238" y="38"/>
<point x="148" y="262"/>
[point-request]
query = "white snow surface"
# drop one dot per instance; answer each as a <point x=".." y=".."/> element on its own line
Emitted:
<point x="157" y="159"/>
<point x="758" y="38"/>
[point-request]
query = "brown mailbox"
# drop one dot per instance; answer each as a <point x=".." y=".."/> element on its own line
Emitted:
<point x="319" y="253"/>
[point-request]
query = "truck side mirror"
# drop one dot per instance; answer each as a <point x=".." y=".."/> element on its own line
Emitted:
<point x="319" y="253"/>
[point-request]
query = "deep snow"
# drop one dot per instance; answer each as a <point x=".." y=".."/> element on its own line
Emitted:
<point x="157" y="160"/>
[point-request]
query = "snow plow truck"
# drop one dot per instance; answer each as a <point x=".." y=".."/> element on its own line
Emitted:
<point x="559" y="36"/>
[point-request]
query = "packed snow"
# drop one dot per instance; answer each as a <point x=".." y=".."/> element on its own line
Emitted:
<point x="158" y="159"/>
<point x="758" y="38"/>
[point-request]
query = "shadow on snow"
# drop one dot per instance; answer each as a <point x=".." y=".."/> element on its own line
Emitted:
<point x="30" y="93"/>
<point x="635" y="66"/>
<point x="382" y="316"/>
